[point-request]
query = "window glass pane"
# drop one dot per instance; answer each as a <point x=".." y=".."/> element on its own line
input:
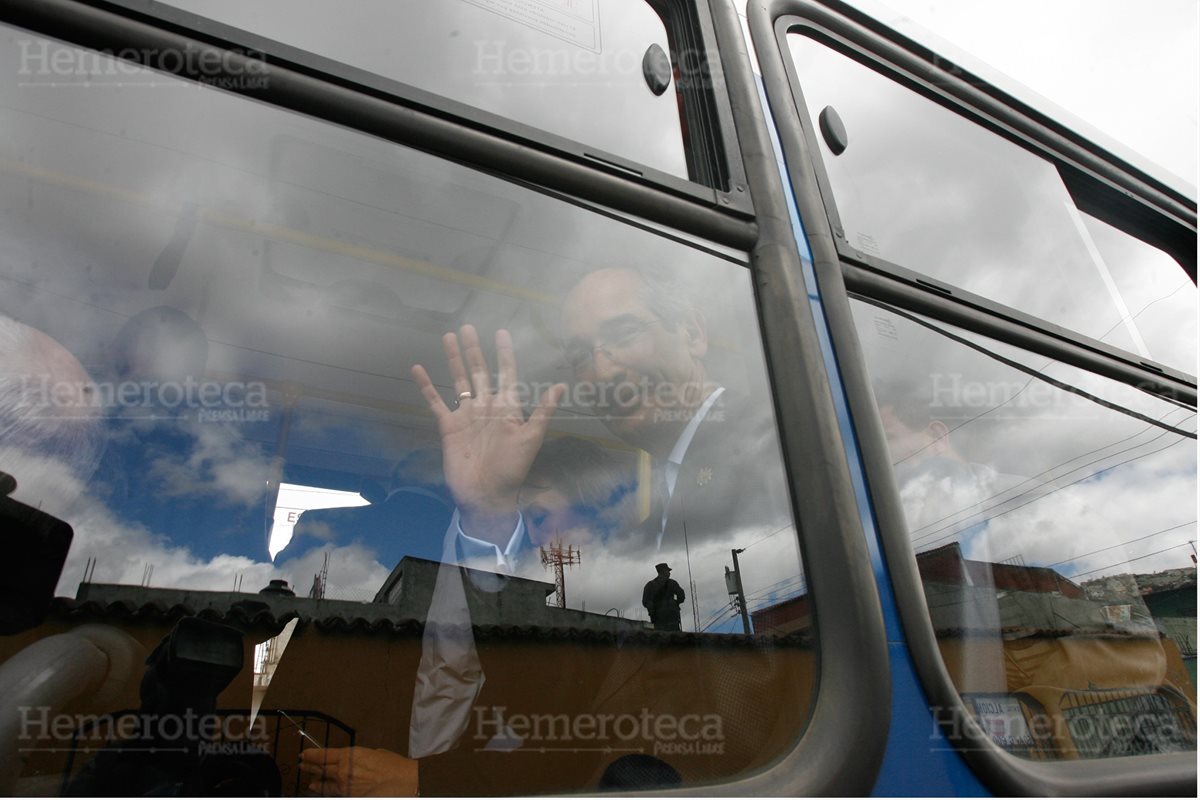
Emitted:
<point x="923" y="187"/>
<point x="1054" y="533"/>
<point x="570" y="67"/>
<point x="210" y="316"/>
<point x="1159" y="297"/>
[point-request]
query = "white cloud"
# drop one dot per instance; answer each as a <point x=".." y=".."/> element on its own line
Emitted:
<point x="219" y="464"/>
<point x="1130" y="70"/>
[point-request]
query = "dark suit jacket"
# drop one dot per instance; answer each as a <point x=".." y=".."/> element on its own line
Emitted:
<point x="731" y="486"/>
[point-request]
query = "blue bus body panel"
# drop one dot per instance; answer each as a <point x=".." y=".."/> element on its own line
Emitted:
<point x="919" y="759"/>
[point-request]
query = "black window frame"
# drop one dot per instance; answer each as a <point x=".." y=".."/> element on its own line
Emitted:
<point x="1101" y="184"/>
<point x="841" y="748"/>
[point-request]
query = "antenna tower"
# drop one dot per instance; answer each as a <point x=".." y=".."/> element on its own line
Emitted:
<point x="555" y="556"/>
<point x="320" y="580"/>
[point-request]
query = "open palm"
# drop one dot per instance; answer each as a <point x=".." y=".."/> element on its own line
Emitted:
<point x="487" y="443"/>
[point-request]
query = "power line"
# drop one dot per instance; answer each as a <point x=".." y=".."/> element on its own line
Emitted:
<point x="1127" y="560"/>
<point x="729" y="614"/>
<point x="710" y="621"/>
<point x="775" y="588"/>
<point x="1047" y="494"/>
<point x="767" y="597"/>
<point x="712" y="617"/>
<point x="1066" y="387"/>
<point x="1043" y="483"/>
<point x="766" y="603"/>
<point x="720" y="610"/>
<point x="778" y="586"/>
<point x="1049" y="469"/>
<point x="769" y="535"/>
<point x="1014" y="396"/>
<point x="789" y="579"/>
<point x="969" y="523"/>
<point x="1132" y="317"/>
<point x="1122" y="544"/>
<point x="771" y="602"/>
<point x="965" y="423"/>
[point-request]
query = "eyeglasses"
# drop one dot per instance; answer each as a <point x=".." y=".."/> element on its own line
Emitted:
<point x="622" y="338"/>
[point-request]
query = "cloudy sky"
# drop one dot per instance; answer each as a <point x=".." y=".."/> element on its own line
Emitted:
<point x="1129" y="69"/>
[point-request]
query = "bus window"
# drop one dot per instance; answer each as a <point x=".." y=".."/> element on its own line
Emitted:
<point x="1052" y="514"/>
<point x="248" y="357"/>
<point x="922" y="187"/>
<point x="572" y="68"/>
<point x="1160" y="298"/>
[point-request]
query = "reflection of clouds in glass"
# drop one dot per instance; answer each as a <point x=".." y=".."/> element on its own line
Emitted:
<point x="585" y="83"/>
<point x="323" y="263"/>
<point x="608" y="578"/>
<point x="1114" y="513"/>
<point x="124" y="551"/>
<point x="50" y="483"/>
<point x="1161" y="299"/>
<point x="924" y="188"/>
<point x="354" y="572"/>
<point x="343" y="427"/>
<point x="220" y="465"/>
<point x="1039" y="475"/>
<point x="256" y="321"/>
<point x="1010" y="419"/>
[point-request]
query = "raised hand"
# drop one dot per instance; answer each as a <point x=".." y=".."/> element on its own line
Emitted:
<point x="487" y="444"/>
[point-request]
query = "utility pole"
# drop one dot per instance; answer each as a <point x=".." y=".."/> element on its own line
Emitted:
<point x="741" y="593"/>
<point x="695" y="606"/>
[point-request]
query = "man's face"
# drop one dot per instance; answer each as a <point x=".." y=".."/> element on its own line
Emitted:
<point x="645" y="372"/>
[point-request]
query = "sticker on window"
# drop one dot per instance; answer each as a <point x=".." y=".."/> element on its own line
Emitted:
<point x="574" y="21"/>
<point x="1004" y="721"/>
